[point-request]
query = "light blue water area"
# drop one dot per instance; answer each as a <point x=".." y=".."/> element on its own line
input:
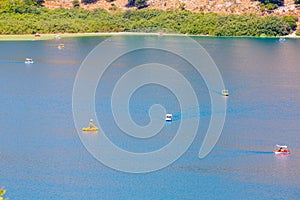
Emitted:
<point x="42" y="157"/>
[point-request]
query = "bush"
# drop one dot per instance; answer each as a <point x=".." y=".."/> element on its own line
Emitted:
<point x="182" y="6"/>
<point x="275" y="3"/>
<point x="141" y="4"/>
<point x="76" y="3"/>
<point x="113" y="7"/>
<point x="137" y="3"/>
<point x="88" y="1"/>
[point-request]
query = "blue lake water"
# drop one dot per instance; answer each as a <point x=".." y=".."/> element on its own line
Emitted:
<point x="42" y="157"/>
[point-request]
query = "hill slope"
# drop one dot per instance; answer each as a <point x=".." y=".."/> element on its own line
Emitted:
<point x="217" y="6"/>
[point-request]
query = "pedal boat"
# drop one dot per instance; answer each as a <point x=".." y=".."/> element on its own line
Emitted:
<point x="282" y="149"/>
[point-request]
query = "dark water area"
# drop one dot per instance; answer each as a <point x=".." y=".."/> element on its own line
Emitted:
<point x="42" y="157"/>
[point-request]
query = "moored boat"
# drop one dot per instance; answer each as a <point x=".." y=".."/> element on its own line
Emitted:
<point x="281" y="40"/>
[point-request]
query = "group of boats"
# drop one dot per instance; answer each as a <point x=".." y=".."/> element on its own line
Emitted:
<point x="60" y="46"/>
<point x="281" y="149"/>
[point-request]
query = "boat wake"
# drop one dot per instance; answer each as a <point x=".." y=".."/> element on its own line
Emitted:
<point x="259" y="152"/>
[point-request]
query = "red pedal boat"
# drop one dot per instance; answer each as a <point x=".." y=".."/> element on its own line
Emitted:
<point x="282" y="149"/>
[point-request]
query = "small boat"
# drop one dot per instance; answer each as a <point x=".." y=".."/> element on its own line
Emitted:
<point x="281" y="40"/>
<point x="61" y="46"/>
<point x="58" y="37"/>
<point x="225" y="92"/>
<point x="282" y="149"/>
<point x="37" y="35"/>
<point x="169" y="117"/>
<point x="91" y="128"/>
<point x="29" y="61"/>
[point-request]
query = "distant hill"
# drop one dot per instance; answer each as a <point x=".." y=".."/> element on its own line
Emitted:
<point x="217" y="6"/>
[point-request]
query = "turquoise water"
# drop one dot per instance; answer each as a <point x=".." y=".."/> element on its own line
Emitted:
<point x="42" y="157"/>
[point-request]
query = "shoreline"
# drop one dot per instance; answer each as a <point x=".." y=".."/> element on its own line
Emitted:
<point x="52" y="36"/>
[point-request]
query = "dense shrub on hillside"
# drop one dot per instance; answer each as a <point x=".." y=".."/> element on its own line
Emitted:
<point x="274" y="2"/>
<point x="137" y="3"/>
<point x="76" y="3"/>
<point x="88" y="1"/>
<point x="19" y="18"/>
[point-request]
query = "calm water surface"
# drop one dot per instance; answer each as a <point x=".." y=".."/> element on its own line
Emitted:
<point x="42" y="157"/>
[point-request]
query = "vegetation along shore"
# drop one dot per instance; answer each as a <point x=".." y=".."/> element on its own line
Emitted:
<point x="20" y="17"/>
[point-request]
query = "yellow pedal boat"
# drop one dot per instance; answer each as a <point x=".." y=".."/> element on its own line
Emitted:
<point x="90" y="129"/>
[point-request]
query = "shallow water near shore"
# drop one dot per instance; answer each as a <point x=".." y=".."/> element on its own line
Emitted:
<point x="42" y="157"/>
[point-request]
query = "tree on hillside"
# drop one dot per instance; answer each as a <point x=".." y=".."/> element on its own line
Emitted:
<point x="34" y="2"/>
<point x="291" y="21"/>
<point x="137" y="3"/>
<point x="274" y="2"/>
<point x="76" y="3"/>
<point x="40" y="2"/>
<point x="88" y="1"/>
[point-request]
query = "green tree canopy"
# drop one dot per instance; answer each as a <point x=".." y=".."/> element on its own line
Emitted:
<point x="20" y="18"/>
